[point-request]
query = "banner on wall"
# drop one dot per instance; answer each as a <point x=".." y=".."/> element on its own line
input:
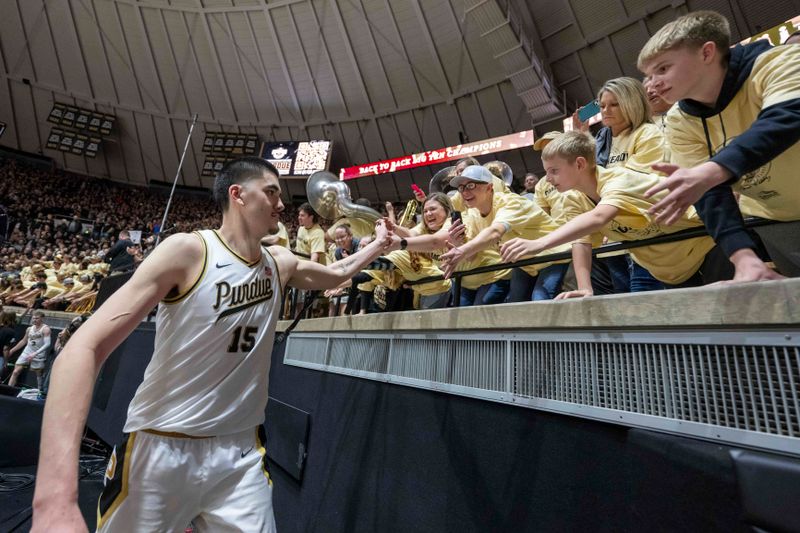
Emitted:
<point x="441" y="155"/>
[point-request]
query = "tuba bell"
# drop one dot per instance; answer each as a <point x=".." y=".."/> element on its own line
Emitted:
<point x="440" y="182"/>
<point x="501" y="170"/>
<point x="330" y="198"/>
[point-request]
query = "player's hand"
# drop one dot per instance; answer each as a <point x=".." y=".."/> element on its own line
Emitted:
<point x="457" y="233"/>
<point x="517" y="248"/>
<point x="686" y="186"/>
<point x="580" y="293"/>
<point x="578" y="124"/>
<point x="419" y="195"/>
<point x="450" y="260"/>
<point x="750" y="268"/>
<point x="389" y="208"/>
<point x="64" y="518"/>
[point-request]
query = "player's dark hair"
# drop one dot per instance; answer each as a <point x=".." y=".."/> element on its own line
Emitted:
<point x="237" y="172"/>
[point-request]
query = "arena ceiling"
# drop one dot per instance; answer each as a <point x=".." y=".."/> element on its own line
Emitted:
<point x="380" y="78"/>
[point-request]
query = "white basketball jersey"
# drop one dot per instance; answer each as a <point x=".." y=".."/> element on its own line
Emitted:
<point x="210" y="367"/>
<point x="35" y="340"/>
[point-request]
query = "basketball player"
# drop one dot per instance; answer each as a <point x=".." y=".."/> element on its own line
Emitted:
<point x="36" y="342"/>
<point x="192" y="451"/>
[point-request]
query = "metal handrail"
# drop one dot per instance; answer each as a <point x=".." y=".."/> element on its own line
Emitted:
<point x="680" y="235"/>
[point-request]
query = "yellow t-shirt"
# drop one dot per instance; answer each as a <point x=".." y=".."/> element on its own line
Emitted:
<point x="770" y="191"/>
<point x="551" y="201"/>
<point x="521" y="218"/>
<point x="499" y="186"/>
<point x="52" y="291"/>
<point x="415" y="265"/>
<point x="310" y="241"/>
<point x="283" y="235"/>
<point x="358" y="226"/>
<point x="671" y="263"/>
<point x="638" y="149"/>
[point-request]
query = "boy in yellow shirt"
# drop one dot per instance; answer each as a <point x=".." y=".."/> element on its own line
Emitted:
<point x="612" y="203"/>
<point x="736" y="126"/>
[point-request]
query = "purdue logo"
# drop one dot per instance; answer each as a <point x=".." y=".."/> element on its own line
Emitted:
<point x="240" y="297"/>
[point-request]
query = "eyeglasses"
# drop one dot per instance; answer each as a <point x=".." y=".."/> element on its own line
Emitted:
<point x="470" y="185"/>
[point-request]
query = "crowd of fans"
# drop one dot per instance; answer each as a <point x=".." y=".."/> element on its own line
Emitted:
<point x="656" y="166"/>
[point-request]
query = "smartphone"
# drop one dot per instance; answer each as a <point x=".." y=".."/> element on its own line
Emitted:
<point x="416" y="189"/>
<point x="588" y="111"/>
<point x="455" y="216"/>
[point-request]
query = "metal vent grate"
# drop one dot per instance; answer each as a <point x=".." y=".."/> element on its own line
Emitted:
<point x="743" y="387"/>
<point x="367" y="355"/>
<point x="475" y="364"/>
<point x="312" y="350"/>
<point x="740" y="387"/>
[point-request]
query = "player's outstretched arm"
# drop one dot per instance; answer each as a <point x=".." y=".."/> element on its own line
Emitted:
<point x="308" y="275"/>
<point x="174" y="264"/>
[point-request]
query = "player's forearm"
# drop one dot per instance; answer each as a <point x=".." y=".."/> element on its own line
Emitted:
<point x="71" y="386"/>
<point x="349" y="266"/>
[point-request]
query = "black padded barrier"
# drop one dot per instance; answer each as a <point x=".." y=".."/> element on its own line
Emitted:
<point x="392" y="458"/>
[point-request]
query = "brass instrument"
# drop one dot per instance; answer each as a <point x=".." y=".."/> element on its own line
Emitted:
<point x="330" y="198"/>
<point x="501" y="170"/>
<point x="407" y="218"/>
<point x="440" y="182"/>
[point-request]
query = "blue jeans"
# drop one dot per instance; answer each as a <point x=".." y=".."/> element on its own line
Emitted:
<point x="544" y="286"/>
<point x="489" y="294"/>
<point x="641" y="279"/>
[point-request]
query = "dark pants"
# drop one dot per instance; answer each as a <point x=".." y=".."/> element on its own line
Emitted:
<point x="544" y="286"/>
<point x="611" y="275"/>
<point x="489" y="294"/>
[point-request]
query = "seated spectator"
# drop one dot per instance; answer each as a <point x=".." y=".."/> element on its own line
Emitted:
<point x="735" y="126"/>
<point x="612" y="203"/>
<point x="30" y="296"/>
<point x="61" y="301"/>
<point x="15" y="289"/>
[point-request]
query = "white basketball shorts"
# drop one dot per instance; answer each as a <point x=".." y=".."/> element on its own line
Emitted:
<point x="161" y="482"/>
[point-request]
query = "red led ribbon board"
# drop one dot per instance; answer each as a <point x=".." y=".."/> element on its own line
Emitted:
<point x="442" y="155"/>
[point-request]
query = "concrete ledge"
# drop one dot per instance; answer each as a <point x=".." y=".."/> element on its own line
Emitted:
<point x="766" y="303"/>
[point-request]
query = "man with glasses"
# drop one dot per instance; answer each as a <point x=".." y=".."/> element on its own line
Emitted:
<point x="492" y="218"/>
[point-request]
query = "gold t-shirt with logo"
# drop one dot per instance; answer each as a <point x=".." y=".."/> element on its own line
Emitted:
<point x="624" y="189"/>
